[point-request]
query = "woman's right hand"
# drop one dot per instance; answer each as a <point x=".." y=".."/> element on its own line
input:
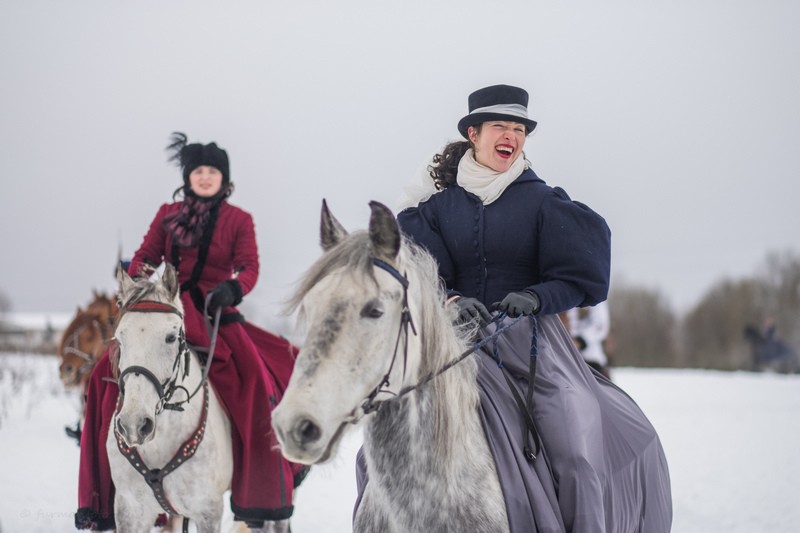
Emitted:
<point x="470" y="309"/>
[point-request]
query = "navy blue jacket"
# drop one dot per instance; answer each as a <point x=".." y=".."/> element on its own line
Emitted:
<point x="532" y="237"/>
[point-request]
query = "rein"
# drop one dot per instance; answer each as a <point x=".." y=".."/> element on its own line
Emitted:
<point x="168" y="388"/>
<point x="525" y="407"/>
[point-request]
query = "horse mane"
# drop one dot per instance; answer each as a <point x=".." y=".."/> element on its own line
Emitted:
<point x="454" y="392"/>
<point x="353" y="253"/>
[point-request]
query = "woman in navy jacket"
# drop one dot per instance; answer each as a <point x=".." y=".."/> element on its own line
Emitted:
<point x="507" y="241"/>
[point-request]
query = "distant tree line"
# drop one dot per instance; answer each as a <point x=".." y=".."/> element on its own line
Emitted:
<point x="718" y="332"/>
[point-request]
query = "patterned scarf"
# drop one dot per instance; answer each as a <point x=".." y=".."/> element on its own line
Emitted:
<point x="187" y="224"/>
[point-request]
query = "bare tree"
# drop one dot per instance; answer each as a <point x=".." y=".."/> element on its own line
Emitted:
<point x="642" y="328"/>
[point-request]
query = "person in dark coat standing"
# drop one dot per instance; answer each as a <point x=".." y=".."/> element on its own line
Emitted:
<point x="506" y="241"/>
<point x="212" y="244"/>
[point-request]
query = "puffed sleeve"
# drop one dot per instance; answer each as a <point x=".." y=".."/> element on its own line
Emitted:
<point x="574" y="255"/>
<point x="151" y="251"/>
<point x="421" y="225"/>
<point x="245" y="253"/>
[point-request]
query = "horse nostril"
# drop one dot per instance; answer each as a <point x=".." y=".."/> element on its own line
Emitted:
<point x="146" y="428"/>
<point x="308" y="431"/>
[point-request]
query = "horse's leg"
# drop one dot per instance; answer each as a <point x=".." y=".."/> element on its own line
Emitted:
<point x="132" y="518"/>
<point x="271" y="526"/>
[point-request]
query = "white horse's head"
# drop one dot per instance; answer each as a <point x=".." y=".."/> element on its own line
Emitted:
<point x="354" y="309"/>
<point x="150" y="343"/>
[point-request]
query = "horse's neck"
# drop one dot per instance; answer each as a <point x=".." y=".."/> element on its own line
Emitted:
<point x="423" y="427"/>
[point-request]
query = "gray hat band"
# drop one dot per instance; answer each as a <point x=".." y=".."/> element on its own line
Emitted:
<point x="515" y="110"/>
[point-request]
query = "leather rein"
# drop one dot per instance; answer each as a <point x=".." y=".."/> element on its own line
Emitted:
<point x="370" y="404"/>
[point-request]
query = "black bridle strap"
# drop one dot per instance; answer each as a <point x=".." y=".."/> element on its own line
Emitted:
<point x="140" y="370"/>
<point x="370" y="404"/>
<point x="167" y="389"/>
<point x="525" y="407"/>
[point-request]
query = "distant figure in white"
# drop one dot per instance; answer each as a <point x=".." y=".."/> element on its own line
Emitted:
<point x="589" y="327"/>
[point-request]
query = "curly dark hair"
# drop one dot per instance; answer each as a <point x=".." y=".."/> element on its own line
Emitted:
<point x="444" y="169"/>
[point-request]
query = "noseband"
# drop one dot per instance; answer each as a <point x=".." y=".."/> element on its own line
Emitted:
<point x="166" y="389"/>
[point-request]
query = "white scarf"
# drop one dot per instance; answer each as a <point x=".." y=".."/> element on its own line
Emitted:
<point x="484" y="182"/>
<point x="472" y="176"/>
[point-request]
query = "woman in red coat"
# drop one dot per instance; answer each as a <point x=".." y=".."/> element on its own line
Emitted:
<point x="213" y="246"/>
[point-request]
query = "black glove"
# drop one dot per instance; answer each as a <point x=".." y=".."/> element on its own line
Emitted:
<point x="226" y="294"/>
<point x="471" y="309"/>
<point x="518" y="303"/>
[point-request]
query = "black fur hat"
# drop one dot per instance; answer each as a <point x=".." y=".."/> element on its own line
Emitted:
<point x="191" y="156"/>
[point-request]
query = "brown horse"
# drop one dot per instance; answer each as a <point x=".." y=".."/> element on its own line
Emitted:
<point x="83" y="343"/>
<point x="85" y="339"/>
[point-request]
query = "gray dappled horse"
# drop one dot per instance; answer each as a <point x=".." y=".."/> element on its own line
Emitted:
<point x="429" y="463"/>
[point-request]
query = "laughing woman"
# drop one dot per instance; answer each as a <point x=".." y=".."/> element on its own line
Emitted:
<point x="506" y="241"/>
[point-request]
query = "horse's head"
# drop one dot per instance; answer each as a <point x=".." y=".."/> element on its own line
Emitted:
<point x="105" y="307"/>
<point x="356" y="344"/>
<point x="150" y="341"/>
<point x="82" y="344"/>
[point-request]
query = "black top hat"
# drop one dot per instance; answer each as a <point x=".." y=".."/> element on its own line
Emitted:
<point x="497" y="102"/>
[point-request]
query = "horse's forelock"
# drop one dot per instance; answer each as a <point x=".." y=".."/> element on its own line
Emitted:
<point x="145" y="289"/>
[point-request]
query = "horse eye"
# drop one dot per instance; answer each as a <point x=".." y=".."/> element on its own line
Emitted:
<point x="171" y="337"/>
<point x="371" y="310"/>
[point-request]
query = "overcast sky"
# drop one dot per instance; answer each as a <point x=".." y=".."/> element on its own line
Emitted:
<point x="678" y="121"/>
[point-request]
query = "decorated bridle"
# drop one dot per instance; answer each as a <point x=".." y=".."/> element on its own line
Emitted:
<point x="154" y="477"/>
<point x="72" y="347"/>
<point x="525" y="406"/>
<point x="168" y="387"/>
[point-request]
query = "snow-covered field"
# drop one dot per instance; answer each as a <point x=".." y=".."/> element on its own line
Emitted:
<point x="731" y="441"/>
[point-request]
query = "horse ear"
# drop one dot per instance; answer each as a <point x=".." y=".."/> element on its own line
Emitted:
<point x="384" y="234"/>
<point x="331" y="232"/>
<point x="170" y="280"/>
<point x="125" y="283"/>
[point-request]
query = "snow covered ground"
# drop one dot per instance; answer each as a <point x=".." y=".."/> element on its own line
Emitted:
<point x="731" y="441"/>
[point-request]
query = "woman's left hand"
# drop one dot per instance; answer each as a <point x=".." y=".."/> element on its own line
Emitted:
<point x="518" y="303"/>
<point x="225" y="295"/>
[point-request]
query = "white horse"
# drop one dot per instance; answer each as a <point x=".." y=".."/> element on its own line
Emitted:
<point x="167" y="453"/>
<point x="429" y="463"/>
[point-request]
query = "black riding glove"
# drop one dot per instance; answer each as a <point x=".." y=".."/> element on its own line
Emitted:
<point x="470" y="309"/>
<point x="226" y="294"/>
<point x="519" y="303"/>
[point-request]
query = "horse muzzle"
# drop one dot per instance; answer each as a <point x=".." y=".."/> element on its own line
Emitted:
<point x="301" y="438"/>
<point x="135" y="430"/>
